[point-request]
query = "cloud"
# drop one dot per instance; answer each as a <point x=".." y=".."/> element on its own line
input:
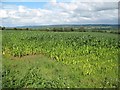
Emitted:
<point x="104" y="6"/>
<point x="60" y="13"/>
<point x="3" y="14"/>
<point x="60" y="0"/>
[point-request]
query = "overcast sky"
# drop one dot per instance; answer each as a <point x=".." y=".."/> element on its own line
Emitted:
<point x="49" y="13"/>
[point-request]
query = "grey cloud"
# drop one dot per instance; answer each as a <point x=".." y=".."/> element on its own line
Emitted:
<point x="105" y="6"/>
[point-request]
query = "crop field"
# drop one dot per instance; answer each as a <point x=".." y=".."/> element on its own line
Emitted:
<point x="35" y="59"/>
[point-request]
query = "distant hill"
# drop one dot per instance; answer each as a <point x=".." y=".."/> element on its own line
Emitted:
<point x="68" y="25"/>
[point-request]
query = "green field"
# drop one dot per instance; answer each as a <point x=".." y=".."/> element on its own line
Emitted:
<point x="35" y="59"/>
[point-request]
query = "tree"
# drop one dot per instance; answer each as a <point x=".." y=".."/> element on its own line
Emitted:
<point x="3" y="28"/>
<point x="15" y="28"/>
<point x="72" y="29"/>
<point x="54" y="29"/>
<point x="27" y="28"/>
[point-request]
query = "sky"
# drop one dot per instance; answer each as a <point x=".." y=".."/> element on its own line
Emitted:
<point x="54" y="12"/>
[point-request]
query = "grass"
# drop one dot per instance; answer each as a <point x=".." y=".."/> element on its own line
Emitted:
<point x="37" y="71"/>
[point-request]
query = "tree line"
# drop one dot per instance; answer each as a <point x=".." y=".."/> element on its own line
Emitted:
<point x="65" y="29"/>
